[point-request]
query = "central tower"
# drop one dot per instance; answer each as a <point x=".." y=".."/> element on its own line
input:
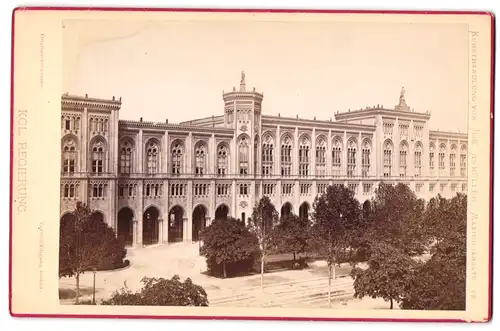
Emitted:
<point x="242" y="112"/>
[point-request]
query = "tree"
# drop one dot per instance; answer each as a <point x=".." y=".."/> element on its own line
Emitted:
<point x="291" y="234"/>
<point x="335" y="213"/>
<point x="161" y="292"/>
<point x="397" y="219"/>
<point x="228" y="244"/>
<point x="440" y="284"/>
<point x="264" y="219"/>
<point x="388" y="273"/>
<point x="86" y="242"/>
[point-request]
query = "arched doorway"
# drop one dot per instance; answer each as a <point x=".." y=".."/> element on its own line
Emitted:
<point x="286" y="210"/>
<point x="175" y="224"/>
<point x="150" y="226"/>
<point x="126" y="226"/>
<point x="199" y="217"/>
<point x="304" y="211"/>
<point x="221" y="212"/>
<point x="67" y="217"/>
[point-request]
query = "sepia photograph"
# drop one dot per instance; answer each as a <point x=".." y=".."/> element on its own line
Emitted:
<point x="318" y="165"/>
<point x="175" y="193"/>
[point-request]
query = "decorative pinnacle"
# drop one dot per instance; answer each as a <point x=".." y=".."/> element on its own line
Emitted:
<point x="402" y="101"/>
<point x="242" y="82"/>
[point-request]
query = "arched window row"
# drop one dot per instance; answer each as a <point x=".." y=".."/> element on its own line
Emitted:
<point x="153" y="190"/>
<point x="98" y="190"/>
<point x="70" y="190"/>
<point x="127" y="190"/>
<point x="70" y="122"/>
<point x="98" y="124"/>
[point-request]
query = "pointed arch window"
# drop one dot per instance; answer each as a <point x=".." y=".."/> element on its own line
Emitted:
<point x="387" y="159"/>
<point x="463" y="161"/>
<point x="321" y="158"/>
<point x="304" y="157"/>
<point x="177" y="158"/>
<point x="69" y="156"/>
<point x="267" y="156"/>
<point x="403" y="154"/>
<point x="126" y="157"/>
<point x="337" y="158"/>
<point x="442" y="154"/>
<point x="98" y="157"/>
<point x="200" y="153"/>
<point x="351" y="158"/>
<point x="418" y="160"/>
<point x="286" y="156"/>
<point x="152" y="150"/>
<point x="453" y="160"/>
<point x="222" y="160"/>
<point x="365" y="159"/>
<point x="431" y="158"/>
<point x="243" y="156"/>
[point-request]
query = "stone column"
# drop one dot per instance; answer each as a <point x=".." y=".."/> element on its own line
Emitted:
<point x="134" y="233"/>
<point x="185" y="221"/>
<point x="160" y="231"/>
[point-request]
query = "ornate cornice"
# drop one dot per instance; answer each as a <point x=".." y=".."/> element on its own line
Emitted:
<point x="318" y="124"/>
<point x="124" y="124"/>
<point x="78" y="103"/>
<point x="364" y="113"/>
<point x="447" y="135"/>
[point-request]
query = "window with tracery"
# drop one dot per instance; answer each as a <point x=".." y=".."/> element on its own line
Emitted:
<point x="304" y="157"/>
<point x="267" y="156"/>
<point x="453" y="155"/>
<point x="69" y="190"/>
<point x="387" y="159"/>
<point x="200" y="154"/>
<point x="152" y="153"/>
<point x="98" y="157"/>
<point x="442" y="154"/>
<point x="351" y="158"/>
<point x="337" y="158"/>
<point x="177" y="158"/>
<point x="403" y="153"/>
<point x="365" y="159"/>
<point x="431" y="158"/>
<point x="286" y="156"/>
<point x="243" y="157"/>
<point x="69" y="156"/>
<point x="418" y="160"/>
<point x="463" y="161"/>
<point x="222" y="160"/>
<point x="126" y="157"/>
<point x="321" y="158"/>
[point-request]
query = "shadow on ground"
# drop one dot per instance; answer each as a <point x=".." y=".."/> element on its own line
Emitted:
<point x="68" y="293"/>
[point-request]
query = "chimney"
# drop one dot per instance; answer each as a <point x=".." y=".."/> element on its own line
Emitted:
<point x="166" y="121"/>
<point x="140" y="120"/>
<point x="86" y="95"/>
<point x="113" y="98"/>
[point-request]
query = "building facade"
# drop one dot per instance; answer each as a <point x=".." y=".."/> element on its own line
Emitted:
<point x="163" y="182"/>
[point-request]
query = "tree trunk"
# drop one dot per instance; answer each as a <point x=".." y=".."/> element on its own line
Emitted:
<point x="392" y="304"/>
<point x="77" y="287"/>
<point x="293" y="256"/>
<point x="224" y="269"/>
<point x="262" y="272"/>
<point x="330" y="286"/>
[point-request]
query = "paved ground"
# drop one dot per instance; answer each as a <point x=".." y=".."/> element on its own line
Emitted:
<point x="299" y="288"/>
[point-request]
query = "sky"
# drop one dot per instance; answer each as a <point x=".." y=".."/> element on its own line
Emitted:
<point x="177" y="70"/>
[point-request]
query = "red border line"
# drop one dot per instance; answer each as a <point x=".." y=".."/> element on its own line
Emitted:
<point x="251" y="10"/>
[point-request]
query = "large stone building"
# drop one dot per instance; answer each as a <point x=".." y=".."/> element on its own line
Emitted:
<point x="162" y="182"/>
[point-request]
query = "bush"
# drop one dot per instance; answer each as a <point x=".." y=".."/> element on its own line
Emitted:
<point x="161" y="292"/>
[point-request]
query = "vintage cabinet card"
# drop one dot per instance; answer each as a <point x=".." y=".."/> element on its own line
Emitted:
<point x="251" y="165"/>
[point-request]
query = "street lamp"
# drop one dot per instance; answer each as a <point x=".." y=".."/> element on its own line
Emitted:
<point x="93" y="292"/>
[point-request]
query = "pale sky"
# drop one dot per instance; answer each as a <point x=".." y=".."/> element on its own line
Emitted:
<point x="178" y="70"/>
